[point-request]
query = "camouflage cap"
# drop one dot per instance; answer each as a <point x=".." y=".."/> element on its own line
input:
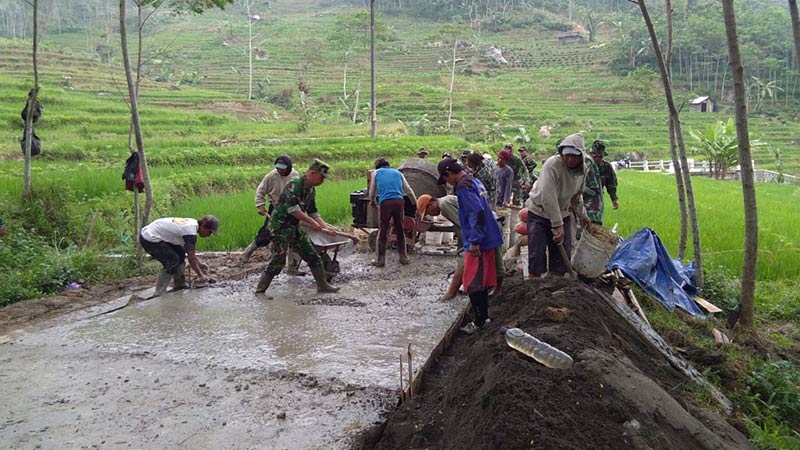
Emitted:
<point x="321" y="167"/>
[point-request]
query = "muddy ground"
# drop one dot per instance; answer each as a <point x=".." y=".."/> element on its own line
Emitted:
<point x="219" y="367"/>
<point x="621" y="393"/>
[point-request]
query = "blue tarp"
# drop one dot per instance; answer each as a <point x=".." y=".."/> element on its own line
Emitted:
<point x="643" y="258"/>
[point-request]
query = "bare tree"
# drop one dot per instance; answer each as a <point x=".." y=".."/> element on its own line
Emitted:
<point x="795" y="31"/>
<point x="745" y="162"/>
<point x="675" y="120"/>
<point x="676" y="163"/>
<point x="31" y="105"/>
<point x="373" y="116"/>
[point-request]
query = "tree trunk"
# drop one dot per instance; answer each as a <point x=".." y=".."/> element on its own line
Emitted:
<point x="795" y="31"/>
<point x="674" y="117"/>
<point x="452" y="84"/>
<point x="373" y="116"/>
<point x="26" y="188"/>
<point x="134" y="105"/>
<point x="745" y="161"/>
<point x="676" y="164"/>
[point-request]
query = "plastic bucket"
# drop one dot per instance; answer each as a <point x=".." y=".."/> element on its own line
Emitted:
<point x="593" y="252"/>
<point x="433" y="237"/>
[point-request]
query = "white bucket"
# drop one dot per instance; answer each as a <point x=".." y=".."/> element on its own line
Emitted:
<point x="433" y="237"/>
<point x="447" y="237"/>
<point x="593" y="252"/>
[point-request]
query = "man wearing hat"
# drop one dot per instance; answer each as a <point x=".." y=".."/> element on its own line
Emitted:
<point x="269" y="190"/>
<point x="529" y="161"/>
<point x="387" y="190"/>
<point x="170" y="240"/>
<point x="422" y="153"/>
<point x="558" y="191"/>
<point x="522" y="179"/>
<point x="486" y="172"/>
<point x="296" y="205"/>
<point x="464" y="154"/>
<point x="608" y="178"/>
<point x="480" y="235"/>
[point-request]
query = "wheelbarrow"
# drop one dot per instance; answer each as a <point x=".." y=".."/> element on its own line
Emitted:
<point x="324" y="243"/>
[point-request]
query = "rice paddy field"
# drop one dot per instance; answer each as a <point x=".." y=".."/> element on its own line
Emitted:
<point x="208" y="146"/>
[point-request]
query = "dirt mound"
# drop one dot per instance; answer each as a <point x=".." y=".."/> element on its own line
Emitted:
<point x="622" y="393"/>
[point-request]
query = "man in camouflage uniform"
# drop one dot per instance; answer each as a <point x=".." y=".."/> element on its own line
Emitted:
<point x="522" y="179"/>
<point x="608" y="178"/>
<point x="297" y="204"/>
<point x="486" y="172"/>
<point x="593" y="192"/>
<point x="529" y="161"/>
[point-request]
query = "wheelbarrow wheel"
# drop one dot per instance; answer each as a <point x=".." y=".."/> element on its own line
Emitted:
<point x="372" y="240"/>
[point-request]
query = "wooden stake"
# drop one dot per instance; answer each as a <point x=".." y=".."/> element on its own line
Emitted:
<point x="410" y="373"/>
<point x="402" y="375"/>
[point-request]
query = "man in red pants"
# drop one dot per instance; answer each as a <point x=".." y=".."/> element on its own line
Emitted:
<point x="386" y="190"/>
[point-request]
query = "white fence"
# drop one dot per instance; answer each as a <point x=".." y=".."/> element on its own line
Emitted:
<point x="702" y="168"/>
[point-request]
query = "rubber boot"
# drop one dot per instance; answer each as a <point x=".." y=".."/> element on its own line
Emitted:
<point x="264" y="282"/>
<point x="322" y="281"/>
<point x="179" y="279"/>
<point x="293" y="267"/>
<point x="380" y="261"/>
<point x="162" y="283"/>
<point x="248" y="252"/>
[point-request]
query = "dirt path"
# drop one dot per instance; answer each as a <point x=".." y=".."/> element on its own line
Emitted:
<point x="621" y="393"/>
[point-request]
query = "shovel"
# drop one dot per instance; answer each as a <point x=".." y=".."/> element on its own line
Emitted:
<point x="572" y="274"/>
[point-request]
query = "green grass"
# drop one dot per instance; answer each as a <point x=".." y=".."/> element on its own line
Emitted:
<point x="649" y="200"/>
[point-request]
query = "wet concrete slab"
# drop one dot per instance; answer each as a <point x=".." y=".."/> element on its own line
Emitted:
<point x="222" y="367"/>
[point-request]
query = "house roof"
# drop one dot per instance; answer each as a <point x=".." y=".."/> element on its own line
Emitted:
<point x="699" y="100"/>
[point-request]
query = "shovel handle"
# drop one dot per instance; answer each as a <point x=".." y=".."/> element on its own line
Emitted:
<point x="565" y="257"/>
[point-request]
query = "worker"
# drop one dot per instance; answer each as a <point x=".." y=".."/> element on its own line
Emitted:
<point x="464" y="155"/>
<point x="522" y="179"/>
<point x="297" y="204"/>
<point x="422" y="153"/>
<point x="486" y="172"/>
<point x="481" y="236"/>
<point x="447" y="206"/>
<point x="593" y="192"/>
<point x="505" y="178"/>
<point x="559" y="189"/>
<point x="170" y="240"/>
<point x="269" y="190"/>
<point x="530" y="163"/>
<point x="387" y="190"/>
<point x="446" y="155"/>
<point x="2" y="228"/>
<point x="608" y="178"/>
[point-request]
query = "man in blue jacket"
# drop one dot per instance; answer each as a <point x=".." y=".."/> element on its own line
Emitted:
<point x="481" y="236"/>
<point x="387" y="189"/>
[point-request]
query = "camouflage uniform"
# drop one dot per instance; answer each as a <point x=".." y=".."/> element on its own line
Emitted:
<point x="608" y="179"/>
<point x="530" y="164"/>
<point x="486" y="174"/>
<point x="593" y="192"/>
<point x="521" y="176"/>
<point x="285" y="228"/>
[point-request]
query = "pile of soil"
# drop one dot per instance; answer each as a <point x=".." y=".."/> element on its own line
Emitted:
<point x="621" y="393"/>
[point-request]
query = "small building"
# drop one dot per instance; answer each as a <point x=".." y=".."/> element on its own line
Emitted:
<point x="569" y="37"/>
<point x="702" y="104"/>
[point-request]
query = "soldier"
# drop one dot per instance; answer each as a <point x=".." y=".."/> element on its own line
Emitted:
<point x="529" y="161"/>
<point x="422" y="153"/>
<point x="608" y="179"/>
<point x="486" y="172"/>
<point x="522" y="179"/>
<point x="297" y="204"/>
<point x="593" y="192"/>
<point x="268" y="191"/>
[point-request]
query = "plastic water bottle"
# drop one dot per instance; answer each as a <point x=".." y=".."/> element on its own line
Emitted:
<point x="536" y="349"/>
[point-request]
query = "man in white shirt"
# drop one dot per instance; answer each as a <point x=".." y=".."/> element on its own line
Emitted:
<point x="170" y="240"/>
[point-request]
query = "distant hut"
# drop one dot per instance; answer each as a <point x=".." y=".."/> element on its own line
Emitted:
<point x="702" y="104"/>
<point x="569" y="37"/>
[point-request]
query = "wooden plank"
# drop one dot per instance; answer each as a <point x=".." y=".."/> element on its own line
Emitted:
<point x="705" y="304"/>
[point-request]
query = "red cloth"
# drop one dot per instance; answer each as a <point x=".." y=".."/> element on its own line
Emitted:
<point x="138" y="181"/>
<point x="480" y="272"/>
